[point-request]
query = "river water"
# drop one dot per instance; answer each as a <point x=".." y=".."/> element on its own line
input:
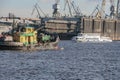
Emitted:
<point x="78" y="61"/>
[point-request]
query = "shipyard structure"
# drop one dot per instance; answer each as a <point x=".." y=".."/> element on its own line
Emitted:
<point x="66" y="28"/>
<point x="97" y="22"/>
<point x="106" y="27"/>
<point x="105" y="24"/>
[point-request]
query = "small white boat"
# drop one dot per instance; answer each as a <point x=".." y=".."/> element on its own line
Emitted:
<point x="91" y="37"/>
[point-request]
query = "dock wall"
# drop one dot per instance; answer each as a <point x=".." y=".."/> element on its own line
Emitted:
<point x="105" y="27"/>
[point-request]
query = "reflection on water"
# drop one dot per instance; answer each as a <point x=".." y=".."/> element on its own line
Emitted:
<point x="78" y="61"/>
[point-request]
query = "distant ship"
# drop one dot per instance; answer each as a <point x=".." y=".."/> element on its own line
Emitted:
<point x="91" y="37"/>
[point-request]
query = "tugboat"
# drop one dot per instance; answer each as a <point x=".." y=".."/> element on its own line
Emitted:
<point x="27" y="38"/>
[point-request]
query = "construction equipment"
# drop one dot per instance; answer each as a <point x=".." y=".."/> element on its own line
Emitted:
<point x="56" y="7"/>
<point x="72" y="7"/>
<point x="118" y="9"/>
<point x="102" y="11"/>
<point x="67" y="2"/>
<point x="112" y="9"/>
<point x="37" y="8"/>
<point x="96" y="12"/>
<point x="76" y="9"/>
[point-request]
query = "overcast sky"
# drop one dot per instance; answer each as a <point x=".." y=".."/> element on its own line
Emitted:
<point x="24" y="8"/>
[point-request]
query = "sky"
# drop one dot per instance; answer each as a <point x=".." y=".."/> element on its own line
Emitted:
<point x="23" y="8"/>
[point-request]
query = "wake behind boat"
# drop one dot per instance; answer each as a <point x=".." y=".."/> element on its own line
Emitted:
<point x="91" y="37"/>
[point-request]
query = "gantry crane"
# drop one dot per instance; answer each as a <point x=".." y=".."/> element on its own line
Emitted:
<point x="112" y="9"/>
<point x="67" y="2"/>
<point x="76" y="9"/>
<point x="56" y="7"/>
<point x="102" y="11"/>
<point x="71" y="6"/>
<point x="96" y="11"/>
<point x="118" y="9"/>
<point x="37" y="8"/>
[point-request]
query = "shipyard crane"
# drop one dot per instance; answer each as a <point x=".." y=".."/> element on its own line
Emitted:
<point x="41" y="10"/>
<point x="71" y="6"/>
<point x="76" y="9"/>
<point x="67" y="2"/>
<point x="100" y="11"/>
<point x="96" y="11"/>
<point x="56" y="7"/>
<point x="118" y="9"/>
<point x="37" y="8"/>
<point x="112" y="9"/>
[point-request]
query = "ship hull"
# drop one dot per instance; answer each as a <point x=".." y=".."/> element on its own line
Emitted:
<point x="66" y="36"/>
<point x="19" y="46"/>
